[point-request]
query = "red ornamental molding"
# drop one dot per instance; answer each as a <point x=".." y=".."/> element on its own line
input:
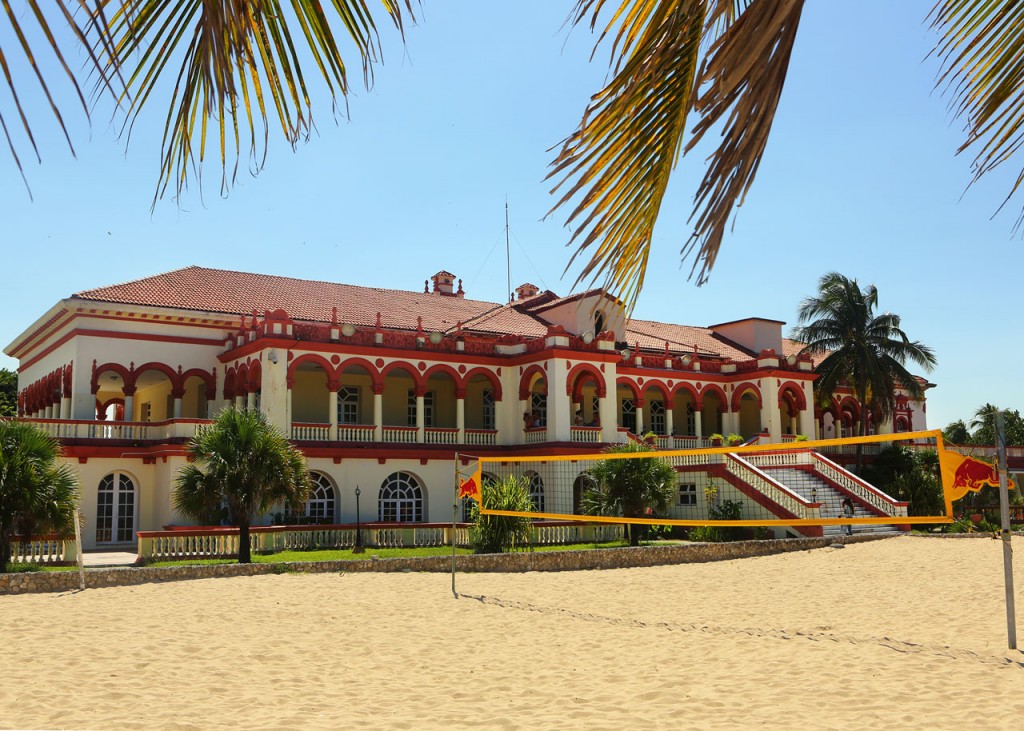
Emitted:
<point x="744" y="388"/>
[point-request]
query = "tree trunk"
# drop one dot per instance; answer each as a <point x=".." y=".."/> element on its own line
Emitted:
<point x="862" y="396"/>
<point x="244" y="542"/>
<point x="5" y="550"/>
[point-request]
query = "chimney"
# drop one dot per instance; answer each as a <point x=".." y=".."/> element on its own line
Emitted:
<point x="525" y="291"/>
<point x="444" y="283"/>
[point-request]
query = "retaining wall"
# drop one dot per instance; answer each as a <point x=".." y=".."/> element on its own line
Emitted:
<point x="568" y="560"/>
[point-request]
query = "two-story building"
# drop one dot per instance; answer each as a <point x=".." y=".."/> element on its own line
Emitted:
<point x="383" y="388"/>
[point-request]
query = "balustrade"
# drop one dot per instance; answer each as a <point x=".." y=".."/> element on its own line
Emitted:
<point x="400" y="434"/>
<point x="440" y="435"/>
<point x="47" y="549"/>
<point x="774" y="491"/>
<point x="311" y="432"/>
<point x="587" y="434"/>
<point x="536" y="435"/>
<point x="356" y="432"/>
<point x="481" y="437"/>
<point x="874" y="497"/>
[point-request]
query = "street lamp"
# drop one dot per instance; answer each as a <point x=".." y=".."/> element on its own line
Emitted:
<point x="358" y="548"/>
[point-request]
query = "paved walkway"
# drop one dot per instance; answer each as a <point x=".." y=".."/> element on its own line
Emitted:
<point x="109" y="558"/>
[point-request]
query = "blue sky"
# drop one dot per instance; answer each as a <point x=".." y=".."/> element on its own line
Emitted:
<point x="859" y="177"/>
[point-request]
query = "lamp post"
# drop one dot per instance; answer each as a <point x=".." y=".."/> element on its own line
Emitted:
<point x="358" y="548"/>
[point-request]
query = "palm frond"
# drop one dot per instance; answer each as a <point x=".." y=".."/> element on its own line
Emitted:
<point x="88" y="29"/>
<point x="240" y="66"/>
<point x="619" y="159"/>
<point x="982" y="51"/>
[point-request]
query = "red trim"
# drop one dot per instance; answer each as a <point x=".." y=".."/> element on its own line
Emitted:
<point x="489" y="375"/>
<point x="714" y="388"/>
<point x="218" y="343"/>
<point x="574" y="380"/>
<point x="525" y="381"/>
<point x="740" y="391"/>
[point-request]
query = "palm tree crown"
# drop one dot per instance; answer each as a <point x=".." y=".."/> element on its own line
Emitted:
<point x="865" y="352"/>
<point x="243" y="463"/>
<point x="38" y="494"/>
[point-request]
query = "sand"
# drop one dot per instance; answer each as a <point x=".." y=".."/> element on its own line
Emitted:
<point x="903" y="633"/>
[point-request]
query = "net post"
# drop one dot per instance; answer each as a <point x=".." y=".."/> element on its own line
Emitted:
<point x="455" y="507"/>
<point x="1004" y="533"/>
<point x="78" y="545"/>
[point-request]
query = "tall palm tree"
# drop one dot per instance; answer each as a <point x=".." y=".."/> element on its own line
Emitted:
<point x="722" y="61"/>
<point x="865" y="351"/>
<point x="629" y="487"/>
<point x="38" y="494"/>
<point x="243" y="463"/>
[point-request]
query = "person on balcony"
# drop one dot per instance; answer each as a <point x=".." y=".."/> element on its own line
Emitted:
<point x="578" y="419"/>
<point x="527" y="420"/>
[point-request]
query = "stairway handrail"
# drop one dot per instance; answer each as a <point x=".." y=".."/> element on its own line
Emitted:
<point x="848" y="481"/>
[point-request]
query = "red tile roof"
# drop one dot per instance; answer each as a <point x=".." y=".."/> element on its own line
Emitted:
<point x="239" y="293"/>
<point x="681" y="338"/>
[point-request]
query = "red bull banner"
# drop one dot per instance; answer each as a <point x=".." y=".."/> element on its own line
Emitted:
<point x="962" y="474"/>
<point x="471" y="489"/>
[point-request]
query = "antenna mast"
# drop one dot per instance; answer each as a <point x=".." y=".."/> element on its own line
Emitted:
<point x="508" y="258"/>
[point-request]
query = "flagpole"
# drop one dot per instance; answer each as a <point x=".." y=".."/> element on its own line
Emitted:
<point x="1004" y="533"/>
<point x="455" y="507"/>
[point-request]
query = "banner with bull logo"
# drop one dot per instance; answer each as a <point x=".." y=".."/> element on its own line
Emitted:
<point x="962" y="474"/>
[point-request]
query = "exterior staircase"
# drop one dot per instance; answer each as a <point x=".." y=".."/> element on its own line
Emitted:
<point x="813" y="488"/>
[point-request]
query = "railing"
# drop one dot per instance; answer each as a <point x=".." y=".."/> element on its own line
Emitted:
<point x="552" y="534"/>
<point x="874" y="497"/>
<point x="311" y="432"/>
<point x="440" y="435"/>
<point x="774" y="491"/>
<point x="400" y="434"/>
<point x="588" y="434"/>
<point x="779" y="459"/>
<point x="356" y="432"/>
<point x="200" y="542"/>
<point x="536" y="434"/>
<point x="47" y="549"/>
<point x="120" y="430"/>
<point x="481" y="437"/>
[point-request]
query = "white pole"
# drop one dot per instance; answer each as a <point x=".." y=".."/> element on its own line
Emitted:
<point x="78" y="545"/>
<point x="455" y="508"/>
<point x="1004" y="516"/>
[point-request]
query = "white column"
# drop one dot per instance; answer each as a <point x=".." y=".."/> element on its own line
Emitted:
<point x="378" y="416"/>
<point x="65" y="407"/>
<point x="48" y="412"/>
<point x="524" y="409"/>
<point x="698" y="422"/>
<point x="177" y="407"/>
<point x="670" y="419"/>
<point x="129" y="408"/>
<point x="460" y="418"/>
<point x="419" y="418"/>
<point x="609" y="423"/>
<point x="332" y="412"/>
<point x="639" y="417"/>
<point x="239" y="402"/>
<point x="250" y="400"/>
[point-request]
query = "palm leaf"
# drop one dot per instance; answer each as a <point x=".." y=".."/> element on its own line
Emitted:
<point x="982" y="51"/>
<point x="88" y="29"/>
<point x="239" y="67"/>
<point x="615" y="167"/>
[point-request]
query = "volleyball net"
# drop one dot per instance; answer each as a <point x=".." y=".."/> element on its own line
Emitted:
<point x="880" y="482"/>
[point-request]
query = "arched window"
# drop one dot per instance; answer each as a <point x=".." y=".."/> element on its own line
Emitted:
<point x="115" y="509"/>
<point x="401" y="499"/>
<point x="319" y="507"/>
<point x="536" y="491"/>
<point x="580" y="486"/>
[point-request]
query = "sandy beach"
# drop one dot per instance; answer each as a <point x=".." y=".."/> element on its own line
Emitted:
<point x="903" y="633"/>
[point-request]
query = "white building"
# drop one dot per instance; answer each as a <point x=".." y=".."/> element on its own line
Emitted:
<point x="382" y="388"/>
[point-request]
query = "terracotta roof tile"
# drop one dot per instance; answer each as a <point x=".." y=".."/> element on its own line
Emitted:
<point x="652" y="335"/>
<point x="239" y="293"/>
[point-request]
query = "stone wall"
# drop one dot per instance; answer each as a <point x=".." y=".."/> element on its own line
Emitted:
<point x="568" y="560"/>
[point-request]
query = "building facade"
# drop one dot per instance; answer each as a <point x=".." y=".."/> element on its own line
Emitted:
<point x="382" y="389"/>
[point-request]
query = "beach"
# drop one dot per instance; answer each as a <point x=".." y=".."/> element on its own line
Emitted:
<point x="907" y="632"/>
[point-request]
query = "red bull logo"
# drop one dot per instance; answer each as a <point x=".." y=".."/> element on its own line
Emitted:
<point x="970" y="474"/>
<point x="469" y="489"/>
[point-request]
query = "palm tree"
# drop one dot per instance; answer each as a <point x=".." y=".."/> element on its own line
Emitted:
<point x="983" y="426"/>
<point x="241" y="462"/>
<point x="38" y="494"/>
<point x="723" y="61"/>
<point x="630" y="487"/>
<point x="863" y="351"/>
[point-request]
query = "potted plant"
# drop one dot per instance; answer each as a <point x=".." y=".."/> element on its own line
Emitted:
<point x="716" y="440"/>
<point x="734" y="440"/>
<point x="800" y="438"/>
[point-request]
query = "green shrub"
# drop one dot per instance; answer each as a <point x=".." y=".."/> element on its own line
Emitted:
<point x="503" y="533"/>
